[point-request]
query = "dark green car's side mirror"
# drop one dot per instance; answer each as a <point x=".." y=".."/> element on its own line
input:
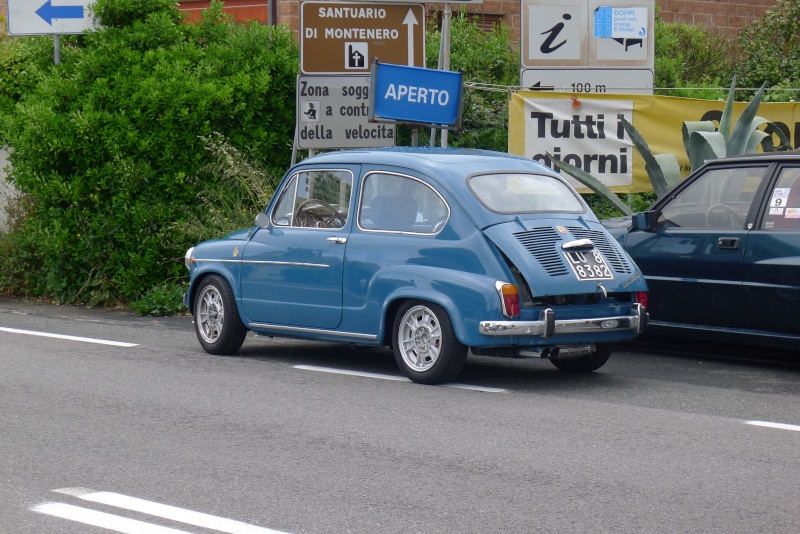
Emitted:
<point x="645" y="220"/>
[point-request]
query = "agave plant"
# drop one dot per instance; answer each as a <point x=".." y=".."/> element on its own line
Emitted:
<point x="703" y="142"/>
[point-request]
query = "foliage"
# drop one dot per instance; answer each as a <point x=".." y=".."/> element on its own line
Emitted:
<point x="244" y="190"/>
<point x="484" y="57"/>
<point x="771" y="48"/>
<point x="692" y="61"/>
<point x="604" y="209"/>
<point x="164" y="299"/>
<point x="106" y="144"/>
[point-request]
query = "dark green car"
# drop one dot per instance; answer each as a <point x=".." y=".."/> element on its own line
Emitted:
<point x="721" y="252"/>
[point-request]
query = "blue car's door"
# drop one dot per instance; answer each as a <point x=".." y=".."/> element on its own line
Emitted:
<point x="292" y="271"/>
<point x="694" y="258"/>
<point x="772" y="258"/>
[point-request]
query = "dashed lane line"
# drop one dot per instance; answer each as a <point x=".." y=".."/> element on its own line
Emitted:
<point x="781" y="426"/>
<point x="173" y="513"/>
<point x="69" y="338"/>
<point x="102" y="519"/>
<point x="134" y="504"/>
<point x="363" y="374"/>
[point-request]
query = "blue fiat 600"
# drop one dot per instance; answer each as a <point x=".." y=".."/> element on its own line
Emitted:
<point x="429" y="251"/>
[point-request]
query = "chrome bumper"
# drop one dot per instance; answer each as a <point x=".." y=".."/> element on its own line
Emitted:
<point x="548" y="326"/>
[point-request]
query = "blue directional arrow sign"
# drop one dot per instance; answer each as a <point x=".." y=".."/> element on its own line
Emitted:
<point x="415" y="95"/>
<point x="48" y="12"/>
<point x="43" y="17"/>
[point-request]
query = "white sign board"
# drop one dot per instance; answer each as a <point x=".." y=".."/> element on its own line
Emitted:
<point x="590" y="136"/>
<point x="333" y="112"/>
<point x="599" y="81"/>
<point x="587" y="33"/>
<point x="43" y="17"/>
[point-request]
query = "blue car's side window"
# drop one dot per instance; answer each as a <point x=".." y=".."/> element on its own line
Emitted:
<point x="397" y="203"/>
<point x="315" y="199"/>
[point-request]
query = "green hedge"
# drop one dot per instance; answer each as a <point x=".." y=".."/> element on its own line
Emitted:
<point x="106" y="145"/>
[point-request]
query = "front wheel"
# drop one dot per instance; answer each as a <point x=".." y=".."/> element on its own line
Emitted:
<point x="425" y="345"/>
<point x="585" y="364"/>
<point x="216" y="319"/>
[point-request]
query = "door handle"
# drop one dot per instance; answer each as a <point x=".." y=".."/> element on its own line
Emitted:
<point x="728" y="243"/>
<point x="338" y="240"/>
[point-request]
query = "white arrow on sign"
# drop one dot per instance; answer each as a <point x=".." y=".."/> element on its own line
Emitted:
<point x="410" y="21"/>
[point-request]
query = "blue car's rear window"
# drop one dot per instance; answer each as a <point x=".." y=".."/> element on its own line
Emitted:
<point x="524" y="193"/>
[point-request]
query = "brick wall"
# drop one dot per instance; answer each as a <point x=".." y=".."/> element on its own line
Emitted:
<point x="729" y="16"/>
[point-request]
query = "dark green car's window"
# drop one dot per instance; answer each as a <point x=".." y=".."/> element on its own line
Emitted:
<point x="783" y="212"/>
<point x="720" y="199"/>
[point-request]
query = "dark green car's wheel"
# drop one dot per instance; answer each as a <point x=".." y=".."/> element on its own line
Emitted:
<point x="216" y="319"/>
<point x="585" y="364"/>
<point x="425" y="345"/>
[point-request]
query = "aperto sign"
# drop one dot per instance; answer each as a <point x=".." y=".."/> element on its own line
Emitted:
<point x="43" y="17"/>
<point x="415" y="95"/>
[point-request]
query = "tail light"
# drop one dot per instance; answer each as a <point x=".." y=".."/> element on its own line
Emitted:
<point x="509" y="298"/>
<point x="641" y="298"/>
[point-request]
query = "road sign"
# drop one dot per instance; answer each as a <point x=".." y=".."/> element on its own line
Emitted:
<point x="342" y="38"/>
<point x="43" y="17"/>
<point x="596" y="81"/>
<point x="415" y="95"/>
<point x="333" y="112"/>
<point x="587" y="33"/>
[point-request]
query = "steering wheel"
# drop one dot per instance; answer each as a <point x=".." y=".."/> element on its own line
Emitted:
<point x="735" y="219"/>
<point x="315" y="213"/>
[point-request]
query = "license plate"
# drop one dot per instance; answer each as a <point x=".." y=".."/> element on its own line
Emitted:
<point x="588" y="265"/>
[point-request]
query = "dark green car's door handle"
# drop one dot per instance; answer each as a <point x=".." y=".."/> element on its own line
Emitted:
<point x="728" y="243"/>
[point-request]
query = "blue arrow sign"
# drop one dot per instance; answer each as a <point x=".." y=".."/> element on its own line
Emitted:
<point x="48" y="12"/>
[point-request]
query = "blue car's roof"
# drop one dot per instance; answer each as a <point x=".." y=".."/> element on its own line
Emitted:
<point x="448" y="166"/>
<point x="462" y="161"/>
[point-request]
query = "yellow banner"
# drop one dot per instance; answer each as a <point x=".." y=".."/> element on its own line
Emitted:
<point x="583" y="130"/>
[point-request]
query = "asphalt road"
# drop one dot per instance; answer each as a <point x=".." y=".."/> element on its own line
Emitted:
<point x="160" y="437"/>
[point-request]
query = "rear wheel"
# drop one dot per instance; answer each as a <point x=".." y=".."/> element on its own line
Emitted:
<point x="585" y="364"/>
<point x="425" y="345"/>
<point x="216" y="319"/>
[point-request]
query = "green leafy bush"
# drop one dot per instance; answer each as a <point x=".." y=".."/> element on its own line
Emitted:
<point x="692" y="61"/>
<point x="771" y="50"/>
<point x="106" y="145"/>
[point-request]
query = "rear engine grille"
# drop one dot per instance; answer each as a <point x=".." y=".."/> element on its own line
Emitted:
<point x="541" y="244"/>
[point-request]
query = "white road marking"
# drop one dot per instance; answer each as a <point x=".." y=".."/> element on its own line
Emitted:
<point x="395" y="378"/>
<point x="173" y="513"/>
<point x="102" y="519"/>
<point x="781" y="426"/>
<point x="70" y="338"/>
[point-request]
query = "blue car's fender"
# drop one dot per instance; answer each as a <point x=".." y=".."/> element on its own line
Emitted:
<point x="468" y="298"/>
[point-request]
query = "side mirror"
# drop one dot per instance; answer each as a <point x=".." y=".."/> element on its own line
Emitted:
<point x="262" y="220"/>
<point x="646" y="220"/>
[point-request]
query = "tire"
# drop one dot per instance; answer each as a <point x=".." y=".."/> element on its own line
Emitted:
<point x="585" y="364"/>
<point x="425" y="345"/>
<point x="216" y="318"/>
